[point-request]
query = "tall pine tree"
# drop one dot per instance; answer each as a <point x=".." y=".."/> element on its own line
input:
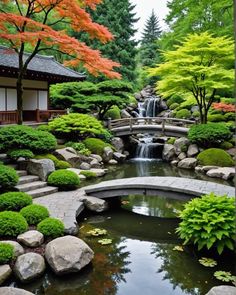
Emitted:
<point x="119" y="18"/>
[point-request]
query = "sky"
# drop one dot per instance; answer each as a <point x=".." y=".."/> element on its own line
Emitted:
<point x="144" y="9"/>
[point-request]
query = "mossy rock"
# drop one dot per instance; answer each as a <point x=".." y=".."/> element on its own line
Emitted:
<point x="215" y="157"/>
<point x="226" y="145"/>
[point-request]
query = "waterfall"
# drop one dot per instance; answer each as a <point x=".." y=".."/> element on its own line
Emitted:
<point x="152" y="106"/>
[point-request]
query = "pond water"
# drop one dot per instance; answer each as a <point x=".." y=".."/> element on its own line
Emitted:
<point x="141" y="258"/>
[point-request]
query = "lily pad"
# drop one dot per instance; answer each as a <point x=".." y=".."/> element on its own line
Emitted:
<point x="224" y="276"/>
<point x="97" y="232"/>
<point x="178" y="248"/>
<point x="208" y="262"/>
<point x="105" y="241"/>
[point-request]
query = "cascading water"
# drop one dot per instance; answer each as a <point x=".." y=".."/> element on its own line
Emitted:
<point x="146" y="148"/>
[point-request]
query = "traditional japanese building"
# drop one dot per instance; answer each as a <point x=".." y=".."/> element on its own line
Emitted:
<point x="41" y="72"/>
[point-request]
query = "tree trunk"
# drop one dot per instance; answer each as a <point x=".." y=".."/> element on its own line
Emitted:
<point x="19" y="91"/>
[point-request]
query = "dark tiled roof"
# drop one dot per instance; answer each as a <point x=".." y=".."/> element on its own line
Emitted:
<point x="40" y="64"/>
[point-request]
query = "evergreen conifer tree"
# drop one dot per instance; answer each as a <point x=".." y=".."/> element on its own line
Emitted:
<point x="152" y="30"/>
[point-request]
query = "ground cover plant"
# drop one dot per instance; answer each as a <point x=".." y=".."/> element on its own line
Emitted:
<point x="14" y="201"/>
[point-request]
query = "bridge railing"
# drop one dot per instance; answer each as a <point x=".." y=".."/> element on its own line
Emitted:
<point x="112" y="124"/>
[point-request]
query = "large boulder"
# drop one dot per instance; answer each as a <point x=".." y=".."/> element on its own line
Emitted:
<point x="85" y="166"/>
<point x="124" y="114"/>
<point x="42" y="168"/>
<point x="188" y="163"/>
<point x="223" y="172"/>
<point x="68" y="254"/>
<point x="181" y="145"/>
<point x="222" y="290"/>
<point x="69" y="155"/>
<point x="14" y="291"/>
<point x="29" y="266"/>
<point x="118" y="143"/>
<point x="5" y="272"/>
<point x="168" y="152"/>
<point x="94" y="204"/>
<point x="18" y="249"/>
<point x="95" y="163"/>
<point x="97" y="157"/>
<point x="193" y="150"/>
<point x="31" y="238"/>
<point x="107" y="154"/>
<point x="119" y="157"/>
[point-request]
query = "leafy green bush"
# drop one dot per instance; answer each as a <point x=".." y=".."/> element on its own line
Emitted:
<point x="215" y="157"/>
<point x="88" y="174"/>
<point x="173" y="106"/>
<point x="171" y="140"/>
<point x="95" y="145"/>
<point x="8" y="177"/>
<point x="207" y="135"/>
<point x="76" y="145"/>
<point x="51" y="227"/>
<point x="14" y="201"/>
<point x="6" y="253"/>
<point x="114" y="86"/>
<point x="113" y="113"/>
<point x="216" y="118"/>
<point x="174" y="99"/>
<point x="12" y="224"/>
<point x="227" y="100"/>
<point x="229" y="116"/>
<point x="22" y="153"/>
<point x="24" y="137"/>
<point x="62" y="165"/>
<point x="209" y="222"/>
<point x="76" y="126"/>
<point x="64" y="179"/>
<point x="43" y="128"/>
<point x="183" y="114"/>
<point x="226" y="145"/>
<point x="196" y="114"/>
<point x="34" y="213"/>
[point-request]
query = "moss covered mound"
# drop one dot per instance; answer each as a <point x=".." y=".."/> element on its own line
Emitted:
<point x="215" y="157"/>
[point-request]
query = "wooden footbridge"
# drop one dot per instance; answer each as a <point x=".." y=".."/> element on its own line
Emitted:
<point x="151" y="125"/>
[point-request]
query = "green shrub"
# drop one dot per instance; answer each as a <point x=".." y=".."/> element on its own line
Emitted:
<point x="34" y="213"/>
<point x="86" y="152"/>
<point x="183" y="114"/>
<point x="174" y="99"/>
<point x="174" y="106"/>
<point x="216" y="118"/>
<point x="229" y="116"/>
<point x="24" y="137"/>
<point x="227" y="100"/>
<point x="207" y="135"/>
<point x="226" y="145"/>
<point x="6" y="253"/>
<point x="231" y="125"/>
<point x="171" y="140"/>
<point x="64" y="179"/>
<point x="215" y="157"/>
<point x="209" y="221"/>
<point x="62" y="165"/>
<point x="196" y="114"/>
<point x="12" y="224"/>
<point x="51" y="227"/>
<point x="113" y="113"/>
<point x="76" y="145"/>
<point x="76" y="126"/>
<point x="88" y="174"/>
<point x="95" y="145"/>
<point x="14" y="201"/>
<point x="43" y="128"/>
<point x="22" y="153"/>
<point x="8" y="177"/>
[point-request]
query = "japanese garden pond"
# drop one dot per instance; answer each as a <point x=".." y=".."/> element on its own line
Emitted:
<point x="142" y="258"/>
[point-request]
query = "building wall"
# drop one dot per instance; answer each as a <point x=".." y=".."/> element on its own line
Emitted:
<point x="35" y="95"/>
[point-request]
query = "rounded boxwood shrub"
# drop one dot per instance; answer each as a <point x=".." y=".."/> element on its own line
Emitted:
<point x="12" y="224"/>
<point x="215" y="157"/>
<point x="113" y="113"/>
<point x="95" y="145"/>
<point x="183" y="114"/>
<point x="24" y="137"/>
<point x="34" y="213"/>
<point x="51" y="227"/>
<point x="43" y="128"/>
<point x="22" y="153"/>
<point x="14" y="201"/>
<point x="209" y="221"/>
<point x="64" y="179"/>
<point x="196" y="114"/>
<point x="6" y="253"/>
<point x="88" y="174"/>
<point x="229" y="117"/>
<point x="216" y="118"/>
<point x="209" y="135"/>
<point x="8" y="177"/>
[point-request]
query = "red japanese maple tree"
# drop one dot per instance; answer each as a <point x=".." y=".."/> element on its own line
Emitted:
<point x="224" y="107"/>
<point x="36" y="22"/>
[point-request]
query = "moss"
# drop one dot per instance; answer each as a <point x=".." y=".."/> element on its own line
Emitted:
<point x="171" y="140"/>
<point x="215" y="157"/>
<point x="95" y="145"/>
<point x="226" y="145"/>
<point x="88" y="174"/>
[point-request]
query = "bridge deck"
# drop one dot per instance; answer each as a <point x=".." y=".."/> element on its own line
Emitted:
<point x="181" y="188"/>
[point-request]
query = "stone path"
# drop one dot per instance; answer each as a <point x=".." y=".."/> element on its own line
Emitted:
<point x="67" y="205"/>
